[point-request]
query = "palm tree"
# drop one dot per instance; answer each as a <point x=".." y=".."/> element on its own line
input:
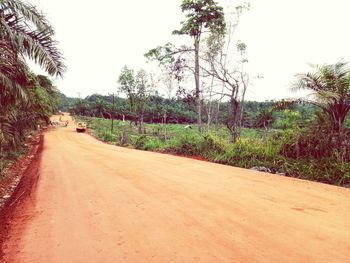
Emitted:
<point x="264" y="120"/>
<point x="330" y="85"/>
<point x="81" y="107"/>
<point x="24" y="32"/>
<point x="100" y="108"/>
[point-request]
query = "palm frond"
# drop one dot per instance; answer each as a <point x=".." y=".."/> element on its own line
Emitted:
<point x="36" y="41"/>
<point x="41" y="48"/>
<point x="27" y="12"/>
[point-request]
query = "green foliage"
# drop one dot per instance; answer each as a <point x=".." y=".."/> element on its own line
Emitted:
<point x="201" y="14"/>
<point x="153" y="144"/>
<point x="139" y="141"/>
<point x="264" y="120"/>
<point x="127" y="85"/>
<point x="277" y="152"/>
<point x="107" y="136"/>
<point x="163" y="54"/>
<point x="291" y="119"/>
<point x="331" y="87"/>
<point x="326" y="170"/>
<point x="27" y="32"/>
<point x="138" y="92"/>
<point x="19" y="118"/>
<point x="26" y="100"/>
<point x="316" y="141"/>
<point x="189" y="144"/>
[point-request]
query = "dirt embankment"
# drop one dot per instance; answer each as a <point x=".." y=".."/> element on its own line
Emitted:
<point x="20" y="182"/>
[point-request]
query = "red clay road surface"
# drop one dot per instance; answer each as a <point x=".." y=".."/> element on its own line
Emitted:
<point x="99" y="203"/>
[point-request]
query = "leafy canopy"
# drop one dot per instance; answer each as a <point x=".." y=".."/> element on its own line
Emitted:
<point x="201" y="14"/>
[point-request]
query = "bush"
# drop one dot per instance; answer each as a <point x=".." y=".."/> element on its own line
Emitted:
<point x="316" y="141"/>
<point x="326" y="170"/>
<point x="189" y="144"/>
<point x="139" y="141"/>
<point x="153" y="144"/>
<point x="213" y="145"/>
<point x="248" y="153"/>
<point x="108" y="136"/>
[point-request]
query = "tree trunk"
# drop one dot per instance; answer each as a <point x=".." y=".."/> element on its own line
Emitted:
<point x="217" y="114"/>
<point x="198" y="92"/>
<point x="339" y="120"/>
<point x="242" y="102"/>
<point x="266" y="131"/>
<point x="210" y="103"/>
<point x="235" y="118"/>
<point x="164" y="120"/>
<point x="234" y="134"/>
<point x="141" y="128"/>
<point x="113" y="110"/>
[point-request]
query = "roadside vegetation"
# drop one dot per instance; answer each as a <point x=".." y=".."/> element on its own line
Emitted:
<point x="277" y="152"/>
<point x="27" y="100"/>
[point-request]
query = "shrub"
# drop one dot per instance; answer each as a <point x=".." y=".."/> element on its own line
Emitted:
<point x="108" y="136"/>
<point x="187" y="143"/>
<point x="326" y="170"/>
<point x="139" y="141"/>
<point x="123" y="138"/>
<point x="213" y="145"/>
<point x="316" y="141"/>
<point x="251" y="152"/>
<point x="153" y="144"/>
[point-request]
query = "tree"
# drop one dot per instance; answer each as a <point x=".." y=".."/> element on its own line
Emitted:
<point x="81" y="107"/>
<point x="137" y="90"/>
<point x="142" y="95"/>
<point x="266" y="116"/>
<point x="202" y="16"/>
<point x="235" y="82"/>
<point x="226" y="67"/>
<point x="20" y="118"/>
<point x="168" y="80"/>
<point x="264" y="120"/>
<point x="126" y="83"/>
<point x="26" y="100"/>
<point x="330" y="85"/>
<point x="100" y="108"/>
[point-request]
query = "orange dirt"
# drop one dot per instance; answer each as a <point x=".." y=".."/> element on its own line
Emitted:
<point x="95" y="202"/>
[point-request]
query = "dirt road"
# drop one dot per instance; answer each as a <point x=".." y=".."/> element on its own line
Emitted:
<point x="95" y="202"/>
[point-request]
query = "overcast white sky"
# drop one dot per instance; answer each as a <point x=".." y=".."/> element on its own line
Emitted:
<point x="282" y="37"/>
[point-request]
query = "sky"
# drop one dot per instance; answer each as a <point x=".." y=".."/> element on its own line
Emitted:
<point x="283" y="37"/>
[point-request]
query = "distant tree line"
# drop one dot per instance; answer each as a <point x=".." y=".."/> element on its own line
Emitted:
<point x="175" y="110"/>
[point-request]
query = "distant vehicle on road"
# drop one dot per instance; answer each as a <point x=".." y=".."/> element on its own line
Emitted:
<point x="81" y="126"/>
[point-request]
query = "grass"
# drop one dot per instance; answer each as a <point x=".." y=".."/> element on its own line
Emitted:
<point x="251" y="150"/>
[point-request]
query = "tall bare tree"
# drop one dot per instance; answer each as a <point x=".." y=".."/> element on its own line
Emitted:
<point x="201" y="16"/>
